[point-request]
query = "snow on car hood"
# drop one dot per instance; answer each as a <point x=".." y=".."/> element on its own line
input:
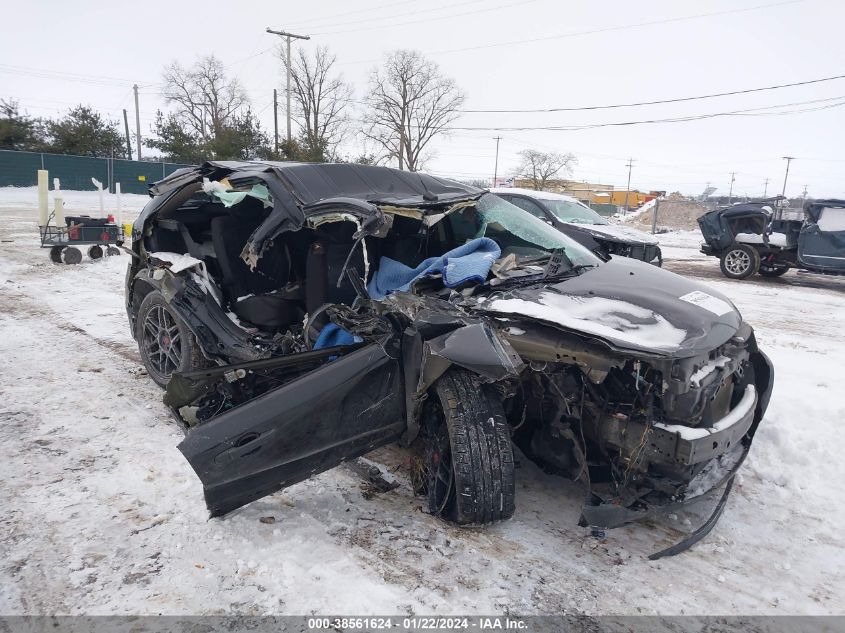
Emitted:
<point x="630" y="305"/>
<point x="616" y="233"/>
<point x="607" y="318"/>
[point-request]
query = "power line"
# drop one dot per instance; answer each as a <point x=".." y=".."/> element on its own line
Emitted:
<point x="675" y="100"/>
<point x="309" y="23"/>
<point x="697" y="117"/>
<point x="427" y="10"/>
<point x="43" y="73"/>
<point x="435" y="19"/>
<point x="608" y="29"/>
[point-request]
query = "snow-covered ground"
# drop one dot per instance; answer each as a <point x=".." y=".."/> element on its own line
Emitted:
<point x="101" y="514"/>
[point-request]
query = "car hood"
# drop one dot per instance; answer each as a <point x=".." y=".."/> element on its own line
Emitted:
<point x="615" y="232"/>
<point x="628" y="305"/>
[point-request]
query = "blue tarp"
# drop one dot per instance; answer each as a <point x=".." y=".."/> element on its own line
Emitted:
<point x="468" y="262"/>
<point x="332" y="335"/>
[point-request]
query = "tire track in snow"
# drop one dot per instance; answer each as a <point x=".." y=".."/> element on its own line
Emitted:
<point x="16" y="303"/>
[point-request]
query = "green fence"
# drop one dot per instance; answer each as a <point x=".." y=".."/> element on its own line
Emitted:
<point x="19" y="169"/>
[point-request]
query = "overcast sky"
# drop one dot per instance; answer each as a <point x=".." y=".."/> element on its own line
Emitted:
<point x="584" y="54"/>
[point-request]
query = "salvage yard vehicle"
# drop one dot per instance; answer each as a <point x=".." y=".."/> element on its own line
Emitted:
<point x="747" y="239"/>
<point x="301" y="315"/>
<point x="585" y="226"/>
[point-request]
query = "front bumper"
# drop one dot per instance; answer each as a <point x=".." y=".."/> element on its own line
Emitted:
<point x="724" y="446"/>
<point x="688" y="446"/>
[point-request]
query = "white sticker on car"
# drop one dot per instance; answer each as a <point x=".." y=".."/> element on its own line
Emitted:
<point x="708" y="302"/>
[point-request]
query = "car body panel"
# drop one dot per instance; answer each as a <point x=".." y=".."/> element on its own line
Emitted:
<point x="678" y="318"/>
<point x="335" y="413"/>
<point x="616" y="232"/>
<point x="821" y="243"/>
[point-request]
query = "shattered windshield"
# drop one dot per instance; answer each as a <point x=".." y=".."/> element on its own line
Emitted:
<point x="516" y="231"/>
<point x="575" y="212"/>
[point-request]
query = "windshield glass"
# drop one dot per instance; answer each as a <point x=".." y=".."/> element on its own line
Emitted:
<point x="516" y="231"/>
<point x="571" y="211"/>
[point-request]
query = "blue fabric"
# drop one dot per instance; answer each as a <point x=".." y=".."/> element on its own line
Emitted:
<point x="332" y="335"/>
<point x="468" y="262"/>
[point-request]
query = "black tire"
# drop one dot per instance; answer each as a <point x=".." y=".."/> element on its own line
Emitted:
<point x="768" y="270"/>
<point x="739" y="261"/>
<point x="156" y="330"/>
<point x="56" y="254"/>
<point x="482" y="483"/>
<point x="95" y="252"/>
<point x="111" y="251"/>
<point x="71" y="255"/>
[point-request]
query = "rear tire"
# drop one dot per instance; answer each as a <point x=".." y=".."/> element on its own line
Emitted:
<point x="95" y="252"/>
<point x="481" y="487"/>
<point x="164" y="341"/>
<point x="772" y="271"/>
<point x="56" y="254"/>
<point x="659" y="258"/>
<point x="740" y="261"/>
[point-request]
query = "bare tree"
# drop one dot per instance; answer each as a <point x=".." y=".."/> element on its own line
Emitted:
<point x="206" y="100"/>
<point x="321" y="101"/>
<point x="409" y="103"/>
<point x="539" y="167"/>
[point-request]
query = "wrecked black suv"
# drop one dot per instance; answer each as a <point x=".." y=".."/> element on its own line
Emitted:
<point x="302" y="315"/>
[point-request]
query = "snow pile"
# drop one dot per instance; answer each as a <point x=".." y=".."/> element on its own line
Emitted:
<point x="832" y="219"/>
<point x="636" y="213"/>
<point x="775" y="239"/>
<point x="178" y="261"/>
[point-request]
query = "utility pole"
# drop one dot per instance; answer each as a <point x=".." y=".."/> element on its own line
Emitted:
<point x="287" y="37"/>
<point x="628" y="190"/>
<point x="788" y="160"/>
<point x="731" y="190"/>
<point x="496" y="164"/>
<point x="765" y="187"/>
<point x="128" y="142"/>
<point x="276" y="120"/>
<point x="804" y="195"/>
<point x="137" y="121"/>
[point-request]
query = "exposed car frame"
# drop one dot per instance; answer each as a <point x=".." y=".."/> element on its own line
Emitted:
<point x="646" y="386"/>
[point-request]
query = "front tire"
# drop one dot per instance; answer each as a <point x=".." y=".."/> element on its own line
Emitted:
<point x="164" y="341"/>
<point x="470" y="466"/>
<point x="740" y="261"/>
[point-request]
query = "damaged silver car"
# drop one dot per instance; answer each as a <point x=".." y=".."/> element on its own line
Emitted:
<point x="302" y="315"/>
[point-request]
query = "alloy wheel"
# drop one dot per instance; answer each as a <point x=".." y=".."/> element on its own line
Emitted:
<point x="162" y="341"/>
<point x="737" y="262"/>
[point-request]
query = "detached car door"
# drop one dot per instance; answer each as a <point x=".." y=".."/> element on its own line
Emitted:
<point x="337" y="412"/>
<point x="821" y="243"/>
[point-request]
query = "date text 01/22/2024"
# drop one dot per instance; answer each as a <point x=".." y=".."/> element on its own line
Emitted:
<point x="415" y="623"/>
